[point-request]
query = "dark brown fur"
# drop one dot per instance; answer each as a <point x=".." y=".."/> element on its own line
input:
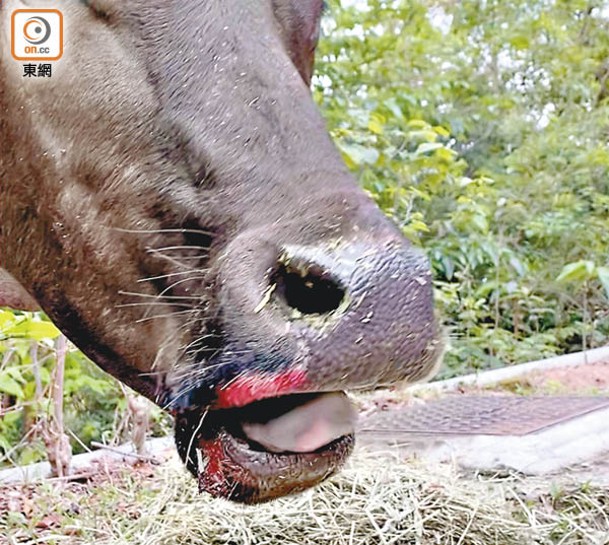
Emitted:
<point x="171" y="166"/>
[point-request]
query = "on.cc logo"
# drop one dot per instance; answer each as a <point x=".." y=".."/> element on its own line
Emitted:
<point x="37" y="30"/>
<point x="37" y="34"/>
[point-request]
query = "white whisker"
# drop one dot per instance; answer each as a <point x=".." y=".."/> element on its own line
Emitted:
<point x="170" y="315"/>
<point x="162" y="231"/>
<point x="175" y="284"/>
<point x="175" y="262"/>
<point x="194" y="434"/>
<point x="154" y="304"/>
<point x="168" y="275"/>
<point x="166" y="248"/>
<point x="152" y="296"/>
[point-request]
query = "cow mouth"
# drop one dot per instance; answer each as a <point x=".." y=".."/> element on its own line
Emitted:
<point x="269" y="448"/>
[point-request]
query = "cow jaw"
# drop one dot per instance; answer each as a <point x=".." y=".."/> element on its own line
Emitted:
<point x="269" y="448"/>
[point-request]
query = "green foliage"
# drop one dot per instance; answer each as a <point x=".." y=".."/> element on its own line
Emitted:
<point x="481" y="128"/>
<point x="95" y="404"/>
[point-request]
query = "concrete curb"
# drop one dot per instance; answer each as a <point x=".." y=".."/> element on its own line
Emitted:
<point x="489" y="378"/>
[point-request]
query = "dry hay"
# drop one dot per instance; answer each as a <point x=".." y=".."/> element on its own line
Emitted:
<point x="384" y="501"/>
<point x="375" y="500"/>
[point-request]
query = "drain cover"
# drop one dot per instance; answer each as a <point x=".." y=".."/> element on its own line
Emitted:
<point x="479" y="415"/>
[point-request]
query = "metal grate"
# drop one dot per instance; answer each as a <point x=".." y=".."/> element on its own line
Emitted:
<point x="479" y="415"/>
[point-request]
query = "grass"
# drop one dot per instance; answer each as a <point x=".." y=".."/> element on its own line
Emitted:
<point x="373" y="501"/>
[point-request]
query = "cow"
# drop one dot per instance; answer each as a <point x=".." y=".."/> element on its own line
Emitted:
<point x="173" y="202"/>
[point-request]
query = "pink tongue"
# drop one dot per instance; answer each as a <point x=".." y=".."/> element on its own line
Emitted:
<point x="307" y="427"/>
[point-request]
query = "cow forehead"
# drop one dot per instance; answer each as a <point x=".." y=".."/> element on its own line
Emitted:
<point x="302" y="9"/>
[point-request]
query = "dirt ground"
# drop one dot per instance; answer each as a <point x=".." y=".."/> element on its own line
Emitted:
<point x="583" y="380"/>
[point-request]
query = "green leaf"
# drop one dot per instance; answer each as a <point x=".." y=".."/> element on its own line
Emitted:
<point x="7" y="318"/>
<point x="580" y="271"/>
<point x="394" y="108"/>
<point x="517" y="265"/>
<point x="30" y="329"/>
<point x="520" y="42"/>
<point x="425" y="136"/>
<point x="358" y="155"/>
<point x="441" y="131"/>
<point x="603" y="276"/>
<point x="376" y="124"/>
<point x="16" y="374"/>
<point x="429" y="147"/>
<point x="418" y="124"/>
<point x="10" y="386"/>
<point x="446" y="154"/>
<point x="419" y="226"/>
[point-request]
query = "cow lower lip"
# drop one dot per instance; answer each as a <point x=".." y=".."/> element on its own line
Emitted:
<point x="230" y="465"/>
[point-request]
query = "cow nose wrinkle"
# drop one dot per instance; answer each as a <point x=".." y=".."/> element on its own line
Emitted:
<point x="307" y="288"/>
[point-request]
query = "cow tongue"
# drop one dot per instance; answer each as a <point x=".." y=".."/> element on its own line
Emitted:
<point x="306" y="428"/>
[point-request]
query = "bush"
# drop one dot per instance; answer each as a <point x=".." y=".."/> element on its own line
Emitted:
<point x="481" y="128"/>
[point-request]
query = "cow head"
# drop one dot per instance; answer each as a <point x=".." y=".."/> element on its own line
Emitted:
<point x="170" y="197"/>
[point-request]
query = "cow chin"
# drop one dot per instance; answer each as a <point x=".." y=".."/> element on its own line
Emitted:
<point x="222" y="448"/>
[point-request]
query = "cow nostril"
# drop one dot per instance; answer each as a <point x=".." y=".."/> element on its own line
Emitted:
<point x="308" y="289"/>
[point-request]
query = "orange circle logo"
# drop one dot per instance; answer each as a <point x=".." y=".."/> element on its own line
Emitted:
<point x="37" y="30"/>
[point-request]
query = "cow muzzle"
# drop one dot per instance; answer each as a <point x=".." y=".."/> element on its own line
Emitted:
<point x="305" y="323"/>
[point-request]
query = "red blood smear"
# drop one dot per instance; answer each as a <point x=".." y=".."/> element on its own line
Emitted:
<point x="248" y="389"/>
<point x="221" y="476"/>
<point x="215" y="455"/>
